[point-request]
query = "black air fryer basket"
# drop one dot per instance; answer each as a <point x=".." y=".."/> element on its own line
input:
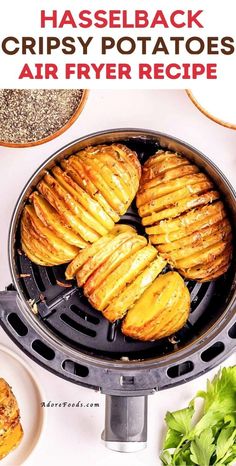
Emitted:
<point x="72" y="340"/>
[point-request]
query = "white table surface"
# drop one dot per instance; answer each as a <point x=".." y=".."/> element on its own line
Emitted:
<point x="72" y="436"/>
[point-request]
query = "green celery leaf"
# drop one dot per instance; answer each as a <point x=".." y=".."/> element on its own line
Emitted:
<point x="166" y="458"/>
<point x="219" y="399"/>
<point x="221" y="392"/>
<point x="212" y="440"/>
<point x="183" y="458"/>
<point x="172" y="439"/>
<point x="210" y="419"/>
<point x="231" y="460"/>
<point x="180" y="420"/>
<point x="225" y="441"/>
<point x="230" y="419"/>
<point x="202" y="448"/>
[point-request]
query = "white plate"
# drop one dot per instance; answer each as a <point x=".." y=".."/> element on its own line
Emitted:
<point x="217" y="103"/>
<point x="28" y="394"/>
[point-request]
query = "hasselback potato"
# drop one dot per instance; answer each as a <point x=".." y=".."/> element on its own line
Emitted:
<point x="11" y="431"/>
<point x="184" y="216"/>
<point x="71" y="219"/>
<point x="161" y="311"/>
<point x="79" y="202"/>
<point x="116" y="270"/>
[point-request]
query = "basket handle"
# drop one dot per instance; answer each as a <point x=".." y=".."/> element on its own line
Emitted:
<point x="125" y="423"/>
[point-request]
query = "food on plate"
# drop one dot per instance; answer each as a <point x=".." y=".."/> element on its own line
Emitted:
<point x="11" y="431"/>
<point x="78" y="202"/>
<point x="161" y="311"/>
<point x="206" y="437"/>
<point x="184" y="216"/>
<point x="116" y="270"/>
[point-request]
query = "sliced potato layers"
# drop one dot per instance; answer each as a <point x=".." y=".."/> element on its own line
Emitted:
<point x="78" y="202"/>
<point x="119" y="276"/>
<point x="11" y="431"/>
<point x="184" y="216"/>
<point x="116" y="270"/>
<point x="162" y="309"/>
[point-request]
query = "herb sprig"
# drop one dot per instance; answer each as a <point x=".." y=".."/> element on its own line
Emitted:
<point x="212" y="439"/>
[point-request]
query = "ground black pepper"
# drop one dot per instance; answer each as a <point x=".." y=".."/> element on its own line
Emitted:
<point x="31" y="115"/>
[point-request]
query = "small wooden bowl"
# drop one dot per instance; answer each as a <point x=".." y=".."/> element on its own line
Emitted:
<point x="57" y="133"/>
<point x="207" y="114"/>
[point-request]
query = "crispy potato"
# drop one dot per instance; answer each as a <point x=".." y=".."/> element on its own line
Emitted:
<point x="168" y="187"/>
<point x="122" y="152"/>
<point x="130" y="162"/>
<point x="32" y="256"/>
<point x="86" y="221"/>
<point x="158" y="313"/>
<point x="158" y="167"/>
<point x="110" y="170"/>
<point x="51" y="219"/>
<point x="167" y="317"/>
<point x="181" y="206"/>
<point x="195" y="238"/>
<point x="175" y="323"/>
<point x="79" y="201"/>
<point x="160" y="155"/>
<point x="202" y="272"/>
<point x="101" y="223"/>
<point x="125" y="300"/>
<point x="9" y="407"/>
<point x="120" y="169"/>
<point x="171" y="174"/>
<point x="90" y="251"/>
<point x="124" y="274"/>
<point x="35" y="243"/>
<point x="84" y="255"/>
<point x="11" y="431"/>
<point x="10" y="440"/>
<point x="163" y="294"/>
<point x="205" y="255"/>
<point x="71" y="220"/>
<point x="49" y="238"/>
<point x="30" y="243"/>
<point x="126" y="249"/>
<point x="216" y="274"/>
<point x="176" y="228"/>
<point x="183" y="214"/>
<point x="91" y="265"/>
<point x="170" y="199"/>
<point x="45" y="243"/>
<point x="108" y="189"/>
<point x="209" y="240"/>
<point x="76" y="170"/>
<point x="198" y="228"/>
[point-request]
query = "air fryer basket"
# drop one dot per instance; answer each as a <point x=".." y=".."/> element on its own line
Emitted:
<point x="71" y="339"/>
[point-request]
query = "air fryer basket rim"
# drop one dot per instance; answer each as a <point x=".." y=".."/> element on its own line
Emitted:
<point x="169" y="359"/>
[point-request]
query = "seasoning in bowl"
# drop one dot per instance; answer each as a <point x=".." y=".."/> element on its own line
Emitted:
<point x="31" y="115"/>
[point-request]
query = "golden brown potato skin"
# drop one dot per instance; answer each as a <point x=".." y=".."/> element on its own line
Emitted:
<point x="78" y="203"/>
<point x="161" y="311"/>
<point x="116" y="270"/>
<point x="184" y="216"/>
<point x="11" y="431"/>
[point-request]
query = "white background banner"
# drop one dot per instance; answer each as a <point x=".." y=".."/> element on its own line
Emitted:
<point x="161" y="56"/>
